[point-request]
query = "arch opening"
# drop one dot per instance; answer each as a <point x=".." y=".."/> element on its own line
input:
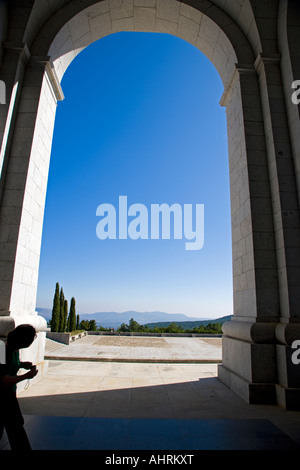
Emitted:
<point x="146" y="137"/>
<point x="172" y="18"/>
<point x="96" y="22"/>
<point x="54" y="48"/>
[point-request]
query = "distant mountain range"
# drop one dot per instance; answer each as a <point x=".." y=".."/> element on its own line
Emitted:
<point x="115" y="319"/>
<point x="190" y="324"/>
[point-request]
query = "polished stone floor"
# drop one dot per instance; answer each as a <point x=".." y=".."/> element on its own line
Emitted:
<point x="74" y="433"/>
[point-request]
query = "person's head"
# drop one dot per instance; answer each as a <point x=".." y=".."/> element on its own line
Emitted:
<point x="21" y="337"/>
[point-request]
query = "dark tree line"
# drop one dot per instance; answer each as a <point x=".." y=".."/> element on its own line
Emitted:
<point x="133" y="326"/>
<point x="63" y="320"/>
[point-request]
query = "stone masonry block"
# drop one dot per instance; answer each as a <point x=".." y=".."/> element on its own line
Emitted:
<point x="145" y="3"/>
<point x="123" y="24"/>
<point x="191" y="13"/>
<point x="188" y="30"/>
<point x="98" y="8"/>
<point x="209" y="31"/>
<point x="100" y="26"/>
<point x="79" y="26"/>
<point x="168" y="10"/>
<point x="121" y="9"/>
<point x="145" y="19"/>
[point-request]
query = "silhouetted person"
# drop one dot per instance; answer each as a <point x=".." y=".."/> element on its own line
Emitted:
<point x="10" y="414"/>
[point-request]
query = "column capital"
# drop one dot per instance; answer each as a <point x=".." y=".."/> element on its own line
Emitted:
<point x="240" y="69"/>
<point x="22" y="49"/>
<point x="261" y="59"/>
<point x="45" y="63"/>
<point x="55" y="83"/>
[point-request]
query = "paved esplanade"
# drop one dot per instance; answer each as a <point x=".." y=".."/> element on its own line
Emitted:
<point x="142" y="404"/>
<point x="139" y="348"/>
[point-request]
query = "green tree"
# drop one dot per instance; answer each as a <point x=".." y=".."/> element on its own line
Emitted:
<point x="65" y="315"/>
<point x="174" y="328"/>
<point x="133" y="325"/>
<point x="123" y="328"/>
<point x="55" y="310"/>
<point x="92" y="325"/>
<point x="84" y="325"/>
<point x="77" y="322"/>
<point x="72" y="316"/>
<point x="61" y="311"/>
<point x="68" y="323"/>
<point x="87" y="325"/>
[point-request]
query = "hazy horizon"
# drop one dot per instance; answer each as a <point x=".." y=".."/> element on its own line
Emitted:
<point x="143" y="312"/>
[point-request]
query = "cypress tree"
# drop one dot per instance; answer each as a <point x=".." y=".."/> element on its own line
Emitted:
<point x="68" y="323"/>
<point x="55" y="310"/>
<point x="65" y="325"/>
<point x="72" y="316"/>
<point x="77" y="322"/>
<point x="61" y="311"/>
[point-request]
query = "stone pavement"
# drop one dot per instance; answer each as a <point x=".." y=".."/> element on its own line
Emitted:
<point x="131" y="405"/>
<point x="138" y="349"/>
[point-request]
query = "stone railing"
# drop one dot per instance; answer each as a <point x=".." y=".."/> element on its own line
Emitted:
<point x="184" y="335"/>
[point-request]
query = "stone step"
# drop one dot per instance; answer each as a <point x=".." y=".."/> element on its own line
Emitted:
<point x="52" y="345"/>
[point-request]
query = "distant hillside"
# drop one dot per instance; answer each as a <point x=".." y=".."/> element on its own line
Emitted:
<point x="44" y="312"/>
<point x="115" y="319"/>
<point x="190" y="324"/>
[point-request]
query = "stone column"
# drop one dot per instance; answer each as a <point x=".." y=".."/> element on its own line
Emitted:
<point x="249" y="365"/>
<point x="26" y="148"/>
<point x="256" y="345"/>
<point x="286" y="224"/>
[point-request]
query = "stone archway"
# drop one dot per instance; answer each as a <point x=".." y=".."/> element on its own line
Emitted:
<point x="40" y="41"/>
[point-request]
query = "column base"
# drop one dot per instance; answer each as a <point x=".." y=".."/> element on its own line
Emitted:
<point x="36" y="352"/>
<point x="252" y="393"/>
<point x="288" y="398"/>
<point x="288" y="386"/>
<point x="257" y="368"/>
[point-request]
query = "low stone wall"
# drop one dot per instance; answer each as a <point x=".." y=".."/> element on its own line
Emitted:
<point x="184" y="335"/>
<point x="64" y="338"/>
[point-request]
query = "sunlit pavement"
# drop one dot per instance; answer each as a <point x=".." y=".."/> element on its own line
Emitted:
<point x="139" y="349"/>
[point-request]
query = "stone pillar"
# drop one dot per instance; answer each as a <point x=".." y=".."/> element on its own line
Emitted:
<point x="286" y="224"/>
<point x="248" y="365"/>
<point x="256" y="362"/>
<point x="26" y="148"/>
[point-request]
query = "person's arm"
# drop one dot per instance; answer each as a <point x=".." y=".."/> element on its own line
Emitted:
<point x="26" y="365"/>
<point x="8" y="381"/>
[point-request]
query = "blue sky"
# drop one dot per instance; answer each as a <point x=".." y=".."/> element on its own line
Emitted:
<point x="141" y="118"/>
